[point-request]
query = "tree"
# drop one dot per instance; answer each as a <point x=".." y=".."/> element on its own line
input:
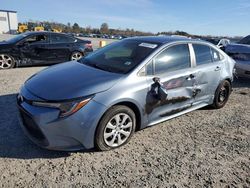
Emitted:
<point x="104" y="28"/>
<point x="76" y="28"/>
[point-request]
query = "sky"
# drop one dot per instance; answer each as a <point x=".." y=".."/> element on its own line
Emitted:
<point x="203" y="17"/>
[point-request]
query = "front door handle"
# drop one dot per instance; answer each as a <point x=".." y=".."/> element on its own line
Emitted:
<point x="190" y="77"/>
<point x="217" y="68"/>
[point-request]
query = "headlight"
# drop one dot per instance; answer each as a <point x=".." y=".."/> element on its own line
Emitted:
<point x="66" y="108"/>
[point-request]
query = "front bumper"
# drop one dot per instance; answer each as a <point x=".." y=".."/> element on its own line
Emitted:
<point x="74" y="132"/>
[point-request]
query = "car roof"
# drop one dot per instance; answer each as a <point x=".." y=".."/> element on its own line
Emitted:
<point x="162" y="39"/>
<point x="42" y="32"/>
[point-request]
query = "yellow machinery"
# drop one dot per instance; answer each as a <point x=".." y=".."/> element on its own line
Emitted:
<point x="57" y="30"/>
<point x="39" y="28"/>
<point x="22" y="28"/>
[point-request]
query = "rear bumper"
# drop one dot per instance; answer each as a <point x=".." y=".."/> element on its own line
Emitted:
<point x="74" y="132"/>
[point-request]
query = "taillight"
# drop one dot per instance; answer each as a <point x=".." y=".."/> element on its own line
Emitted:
<point x="88" y="45"/>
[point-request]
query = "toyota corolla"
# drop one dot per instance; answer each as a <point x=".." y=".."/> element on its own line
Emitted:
<point x="102" y="99"/>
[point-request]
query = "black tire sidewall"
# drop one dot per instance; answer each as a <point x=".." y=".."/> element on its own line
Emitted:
<point x="99" y="136"/>
<point x="218" y="104"/>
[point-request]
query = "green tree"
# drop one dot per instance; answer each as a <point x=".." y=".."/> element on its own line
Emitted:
<point x="76" y="28"/>
<point x="104" y="28"/>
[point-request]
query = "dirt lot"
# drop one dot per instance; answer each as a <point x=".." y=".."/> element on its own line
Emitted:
<point x="205" y="148"/>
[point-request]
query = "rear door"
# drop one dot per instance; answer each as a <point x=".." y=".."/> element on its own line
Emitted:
<point x="208" y="64"/>
<point x="173" y="66"/>
<point x="60" y="46"/>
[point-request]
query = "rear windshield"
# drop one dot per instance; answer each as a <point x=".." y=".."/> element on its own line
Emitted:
<point x="245" y="40"/>
<point x="120" y="57"/>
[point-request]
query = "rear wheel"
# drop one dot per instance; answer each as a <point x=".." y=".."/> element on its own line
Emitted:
<point x="76" y="56"/>
<point x="6" y="61"/>
<point x="222" y="94"/>
<point x="115" y="128"/>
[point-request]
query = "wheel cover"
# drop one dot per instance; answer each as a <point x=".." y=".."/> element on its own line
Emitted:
<point x="118" y="130"/>
<point x="5" y="61"/>
<point x="223" y="94"/>
<point x="76" y="56"/>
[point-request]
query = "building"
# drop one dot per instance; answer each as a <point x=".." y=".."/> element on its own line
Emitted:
<point x="8" y="21"/>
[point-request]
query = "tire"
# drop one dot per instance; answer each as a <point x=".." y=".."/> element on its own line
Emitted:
<point x="111" y="134"/>
<point x="6" y="61"/>
<point x="76" y="55"/>
<point x="222" y="94"/>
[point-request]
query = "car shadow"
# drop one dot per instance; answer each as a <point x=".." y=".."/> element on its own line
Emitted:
<point x="13" y="142"/>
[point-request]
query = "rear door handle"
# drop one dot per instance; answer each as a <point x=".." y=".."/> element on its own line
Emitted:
<point x="217" y="68"/>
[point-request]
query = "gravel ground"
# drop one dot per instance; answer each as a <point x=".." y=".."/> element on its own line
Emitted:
<point x="205" y="148"/>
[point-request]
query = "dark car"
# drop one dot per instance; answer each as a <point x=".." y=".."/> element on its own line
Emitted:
<point x="240" y="52"/>
<point x="40" y="48"/>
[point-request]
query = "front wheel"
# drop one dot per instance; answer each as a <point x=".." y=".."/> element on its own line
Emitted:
<point x="115" y="128"/>
<point x="6" y="61"/>
<point x="222" y="94"/>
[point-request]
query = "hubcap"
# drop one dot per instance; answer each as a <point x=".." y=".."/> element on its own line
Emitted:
<point x="223" y="94"/>
<point x="76" y="56"/>
<point x="5" y="61"/>
<point x="118" y="130"/>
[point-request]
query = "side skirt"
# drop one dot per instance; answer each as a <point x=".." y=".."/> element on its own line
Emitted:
<point x="178" y="114"/>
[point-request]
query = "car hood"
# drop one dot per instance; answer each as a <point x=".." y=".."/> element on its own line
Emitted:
<point x="70" y="80"/>
<point x="237" y="48"/>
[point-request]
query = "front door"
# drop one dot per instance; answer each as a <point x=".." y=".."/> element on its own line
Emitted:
<point x="35" y="49"/>
<point x="175" y="76"/>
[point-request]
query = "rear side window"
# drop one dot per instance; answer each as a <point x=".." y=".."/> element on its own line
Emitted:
<point x="216" y="56"/>
<point x="61" y="39"/>
<point x="174" y="58"/>
<point x="203" y="54"/>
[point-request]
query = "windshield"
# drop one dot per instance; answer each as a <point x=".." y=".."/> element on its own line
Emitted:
<point x="17" y="38"/>
<point x="245" y="40"/>
<point x="120" y="57"/>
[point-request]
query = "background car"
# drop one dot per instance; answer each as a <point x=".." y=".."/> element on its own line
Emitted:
<point x="126" y="86"/>
<point x="40" y="48"/>
<point x="240" y="52"/>
<point x="220" y="43"/>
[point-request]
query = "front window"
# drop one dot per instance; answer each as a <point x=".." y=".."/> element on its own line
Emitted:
<point x="173" y="58"/>
<point x="37" y="39"/>
<point x="120" y="57"/>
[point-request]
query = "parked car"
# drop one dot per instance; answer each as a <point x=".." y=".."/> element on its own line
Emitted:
<point x="100" y="100"/>
<point x="220" y="43"/>
<point x="40" y="48"/>
<point x="240" y="52"/>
